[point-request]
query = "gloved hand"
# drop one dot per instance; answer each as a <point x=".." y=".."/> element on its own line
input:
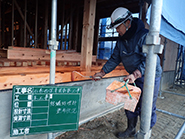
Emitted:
<point x="132" y="77"/>
<point x="98" y="76"/>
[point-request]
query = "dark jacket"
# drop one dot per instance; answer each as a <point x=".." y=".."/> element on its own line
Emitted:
<point x="128" y="50"/>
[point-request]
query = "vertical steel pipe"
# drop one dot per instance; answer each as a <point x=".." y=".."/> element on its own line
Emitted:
<point x="53" y="41"/>
<point x="53" y="47"/>
<point x="152" y="48"/>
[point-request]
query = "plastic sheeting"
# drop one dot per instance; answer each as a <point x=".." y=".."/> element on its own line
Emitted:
<point x="172" y="21"/>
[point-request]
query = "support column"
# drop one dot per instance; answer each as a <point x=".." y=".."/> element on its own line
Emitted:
<point x="53" y="43"/>
<point x="65" y="44"/>
<point x="53" y="46"/>
<point x="76" y="28"/>
<point x="62" y="24"/>
<point x="152" y="48"/>
<point x="45" y="24"/>
<point x="144" y="11"/>
<point x="21" y="34"/>
<point x="88" y="34"/>
<point x="3" y="25"/>
<point x="36" y="21"/>
<point x="12" y="38"/>
<point x="140" y="8"/>
<point x="25" y="17"/>
<point x="95" y="45"/>
<point x="70" y="28"/>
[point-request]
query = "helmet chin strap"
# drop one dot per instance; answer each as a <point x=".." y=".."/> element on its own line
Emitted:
<point x="127" y="27"/>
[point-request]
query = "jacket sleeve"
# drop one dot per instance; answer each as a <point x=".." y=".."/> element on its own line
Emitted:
<point x="113" y="61"/>
<point x="141" y="66"/>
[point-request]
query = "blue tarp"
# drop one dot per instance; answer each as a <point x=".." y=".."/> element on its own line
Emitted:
<point x="172" y="21"/>
<point x="173" y="26"/>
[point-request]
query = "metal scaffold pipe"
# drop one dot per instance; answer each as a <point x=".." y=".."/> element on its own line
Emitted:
<point x="53" y="45"/>
<point x="152" y="48"/>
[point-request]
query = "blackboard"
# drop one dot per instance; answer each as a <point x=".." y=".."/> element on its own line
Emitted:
<point x="44" y="109"/>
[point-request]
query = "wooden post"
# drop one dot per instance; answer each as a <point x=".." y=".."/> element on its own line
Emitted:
<point x="36" y="21"/>
<point x="25" y="16"/>
<point x="45" y="24"/>
<point x="62" y="24"/>
<point x="70" y="28"/>
<point x="88" y="34"/>
<point x="21" y="34"/>
<point x="76" y="28"/>
<point x="144" y="11"/>
<point x="12" y="40"/>
<point x="96" y="32"/>
<point x="3" y="25"/>
<point x="65" y="37"/>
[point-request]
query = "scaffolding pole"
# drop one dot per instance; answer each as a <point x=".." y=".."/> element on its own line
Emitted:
<point x="53" y="45"/>
<point x="152" y="48"/>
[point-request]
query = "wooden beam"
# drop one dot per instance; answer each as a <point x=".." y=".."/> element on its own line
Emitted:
<point x="88" y="34"/>
<point x="7" y="81"/>
<point x="114" y="73"/>
<point x="46" y="69"/>
<point x="42" y="54"/>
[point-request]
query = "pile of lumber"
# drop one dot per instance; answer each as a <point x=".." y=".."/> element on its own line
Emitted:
<point x="30" y="66"/>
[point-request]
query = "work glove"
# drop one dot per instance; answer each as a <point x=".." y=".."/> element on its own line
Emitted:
<point x="132" y="77"/>
<point x="98" y="75"/>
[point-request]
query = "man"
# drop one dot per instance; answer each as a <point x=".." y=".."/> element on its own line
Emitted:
<point x="128" y="50"/>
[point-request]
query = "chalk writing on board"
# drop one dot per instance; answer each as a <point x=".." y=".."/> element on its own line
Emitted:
<point x="66" y="111"/>
<point x="21" y="131"/>
<point x="43" y="109"/>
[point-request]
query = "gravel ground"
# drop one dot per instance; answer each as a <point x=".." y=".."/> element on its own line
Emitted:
<point x="107" y="126"/>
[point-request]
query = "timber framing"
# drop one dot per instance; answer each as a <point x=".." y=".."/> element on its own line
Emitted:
<point x="10" y="76"/>
<point x="25" y="31"/>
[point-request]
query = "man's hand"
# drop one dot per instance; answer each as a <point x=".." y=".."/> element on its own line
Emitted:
<point x="98" y="76"/>
<point x="132" y="77"/>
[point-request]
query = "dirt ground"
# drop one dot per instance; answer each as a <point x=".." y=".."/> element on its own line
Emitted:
<point x="107" y="126"/>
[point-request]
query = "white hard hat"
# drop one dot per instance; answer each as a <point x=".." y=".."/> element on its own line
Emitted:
<point x="120" y="15"/>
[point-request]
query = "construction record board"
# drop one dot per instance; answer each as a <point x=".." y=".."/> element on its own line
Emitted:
<point x="44" y="109"/>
